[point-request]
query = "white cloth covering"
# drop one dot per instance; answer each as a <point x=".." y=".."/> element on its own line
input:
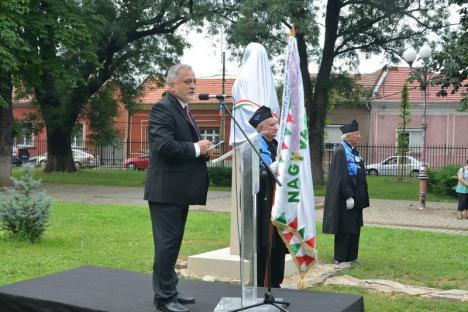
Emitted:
<point x="253" y="88"/>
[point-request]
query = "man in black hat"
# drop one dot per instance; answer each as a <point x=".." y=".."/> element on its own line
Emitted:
<point x="265" y="123"/>
<point x="346" y="196"/>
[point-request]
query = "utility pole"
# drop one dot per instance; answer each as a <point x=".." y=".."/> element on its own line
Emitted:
<point x="223" y="87"/>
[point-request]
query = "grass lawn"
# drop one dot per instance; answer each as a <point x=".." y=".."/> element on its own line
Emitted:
<point x="91" y="177"/>
<point x="379" y="186"/>
<point x="120" y="237"/>
<point x="97" y="177"/>
<point x="378" y="302"/>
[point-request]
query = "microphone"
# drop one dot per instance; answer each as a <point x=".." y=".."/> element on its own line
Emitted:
<point x="206" y="96"/>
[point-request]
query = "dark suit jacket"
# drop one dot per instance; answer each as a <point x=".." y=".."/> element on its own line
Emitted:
<point x="175" y="175"/>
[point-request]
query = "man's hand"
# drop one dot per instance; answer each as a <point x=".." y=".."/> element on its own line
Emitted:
<point x="204" y="146"/>
<point x="274" y="166"/>
<point x="349" y="203"/>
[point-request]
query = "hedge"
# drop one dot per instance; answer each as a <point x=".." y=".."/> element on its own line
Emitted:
<point x="443" y="181"/>
<point x="220" y="176"/>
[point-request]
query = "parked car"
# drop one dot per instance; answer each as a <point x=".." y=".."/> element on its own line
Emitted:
<point x="390" y="166"/>
<point x="19" y="156"/>
<point x="82" y="158"/>
<point x="140" y="162"/>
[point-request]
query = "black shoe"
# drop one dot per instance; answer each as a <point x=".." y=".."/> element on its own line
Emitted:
<point x="172" y="306"/>
<point x="185" y="299"/>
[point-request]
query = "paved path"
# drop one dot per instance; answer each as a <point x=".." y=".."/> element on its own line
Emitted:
<point x="393" y="213"/>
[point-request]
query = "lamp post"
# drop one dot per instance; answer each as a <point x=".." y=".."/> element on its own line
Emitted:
<point x="410" y="56"/>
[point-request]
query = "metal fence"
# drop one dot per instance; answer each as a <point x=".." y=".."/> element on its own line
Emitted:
<point x="384" y="156"/>
<point x="134" y="155"/>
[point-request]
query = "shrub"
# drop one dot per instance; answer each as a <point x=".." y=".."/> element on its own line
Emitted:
<point x="24" y="212"/>
<point x="220" y="176"/>
<point x="443" y="181"/>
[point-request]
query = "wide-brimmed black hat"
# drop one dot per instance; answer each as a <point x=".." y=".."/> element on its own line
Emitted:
<point x="260" y="115"/>
<point x="352" y="127"/>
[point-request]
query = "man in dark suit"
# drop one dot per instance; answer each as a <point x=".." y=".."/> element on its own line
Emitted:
<point x="177" y="177"/>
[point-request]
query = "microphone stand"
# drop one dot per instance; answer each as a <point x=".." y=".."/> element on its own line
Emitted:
<point x="268" y="298"/>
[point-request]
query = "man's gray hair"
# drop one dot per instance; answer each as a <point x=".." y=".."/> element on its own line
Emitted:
<point x="346" y="135"/>
<point x="173" y="72"/>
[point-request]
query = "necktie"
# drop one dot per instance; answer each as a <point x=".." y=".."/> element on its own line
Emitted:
<point x="188" y="115"/>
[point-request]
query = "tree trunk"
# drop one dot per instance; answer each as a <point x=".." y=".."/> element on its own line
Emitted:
<point x="60" y="114"/>
<point x="317" y="109"/>
<point x="59" y="152"/>
<point x="6" y="128"/>
<point x="307" y="85"/>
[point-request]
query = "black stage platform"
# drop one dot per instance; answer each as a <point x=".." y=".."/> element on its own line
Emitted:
<point x="101" y="289"/>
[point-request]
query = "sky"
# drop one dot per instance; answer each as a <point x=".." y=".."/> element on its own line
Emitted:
<point x="205" y="55"/>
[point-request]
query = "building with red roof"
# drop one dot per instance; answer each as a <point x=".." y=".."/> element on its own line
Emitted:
<point x="378" y="117"/>
<point x="445" y="125"/>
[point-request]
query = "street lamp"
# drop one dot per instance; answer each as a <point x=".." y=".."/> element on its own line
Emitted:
<point x="410" y="56"/>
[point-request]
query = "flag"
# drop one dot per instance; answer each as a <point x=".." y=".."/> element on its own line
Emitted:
<point x="253" y="88"/>
<point x="293" y="211"/>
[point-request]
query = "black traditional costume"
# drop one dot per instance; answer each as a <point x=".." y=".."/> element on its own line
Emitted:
<point x="347" y="179"/>
<point x="264" y="203"/>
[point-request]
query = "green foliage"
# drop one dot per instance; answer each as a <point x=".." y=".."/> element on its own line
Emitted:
<point x="267" y="22"/>
<point x="100" y="112"/>
<point x="12" y="46"/>
<point x="79" y="48"/>
<point x="442" y="182"/>
<point x="220" y="176"/>
<point x="24" y="212"/>
<point x="451" y="62"/>
<point x="346" y="91"/>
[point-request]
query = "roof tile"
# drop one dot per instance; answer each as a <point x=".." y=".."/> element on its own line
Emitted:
<point x="390" y="89"/>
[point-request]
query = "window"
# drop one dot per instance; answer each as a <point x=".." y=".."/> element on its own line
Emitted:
<point x="412" y="135"/>
<point x="332" y="136"/>
<point x="24" y="136"/>
<point x="24" y="140"/>
<point x="143" y="144"/>
<point x="77" y="136"/>
<point x="391" y="161"/>
<point x="210" y="134"/>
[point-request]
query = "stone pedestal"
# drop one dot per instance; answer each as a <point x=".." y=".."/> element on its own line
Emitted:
<point x="222" y="264"/>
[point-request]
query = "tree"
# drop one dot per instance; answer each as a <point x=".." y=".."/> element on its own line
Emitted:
<point x="368" y="26"/>
<point x="79" y="47"/>
<point x="12" y="51"/>
<point x="403" y="138"/>
<point x="451" y="62"/>
<point x="24" y="212"/>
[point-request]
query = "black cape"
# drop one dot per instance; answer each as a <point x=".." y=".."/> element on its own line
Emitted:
<point x="341" y="186"/>
<point x="264" y="205"/>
